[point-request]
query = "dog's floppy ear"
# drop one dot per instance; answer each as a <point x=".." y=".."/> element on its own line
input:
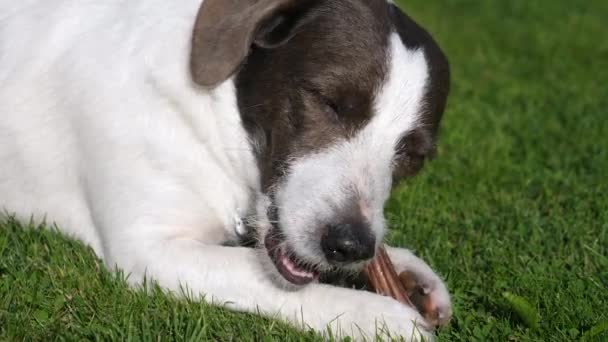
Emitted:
<point x="225" y="30"/>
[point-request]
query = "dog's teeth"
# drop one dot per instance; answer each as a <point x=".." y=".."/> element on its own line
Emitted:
<point x="303" y="274"/>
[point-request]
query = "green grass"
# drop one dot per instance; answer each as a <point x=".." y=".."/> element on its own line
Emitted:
<point x="516" y="201"/>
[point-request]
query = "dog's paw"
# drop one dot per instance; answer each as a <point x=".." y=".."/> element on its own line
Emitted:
<point x="427" y="291"/>
<point x="364" y="316"/>
<point x="429" y="296"/>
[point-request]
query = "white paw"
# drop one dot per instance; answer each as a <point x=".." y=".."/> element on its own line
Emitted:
<point x="362" y="315"/>
<point x="427" y="291"/>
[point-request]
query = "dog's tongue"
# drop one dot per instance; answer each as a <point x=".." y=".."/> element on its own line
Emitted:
<point x="290" y="269"/>
<point x="295" y="273"/>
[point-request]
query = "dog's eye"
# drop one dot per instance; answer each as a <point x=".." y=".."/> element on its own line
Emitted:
<point x="330" y="106"/>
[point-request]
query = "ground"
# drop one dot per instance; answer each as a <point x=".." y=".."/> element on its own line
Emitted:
<point x="516" y="200"/>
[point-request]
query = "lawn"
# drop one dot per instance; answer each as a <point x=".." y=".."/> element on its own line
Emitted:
<point x="516" y="200"/>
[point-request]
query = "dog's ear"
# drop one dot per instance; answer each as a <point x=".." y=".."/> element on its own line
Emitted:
<point x="225" y="30"/>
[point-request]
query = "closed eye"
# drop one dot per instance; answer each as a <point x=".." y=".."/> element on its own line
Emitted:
<point x="330" y="105"/>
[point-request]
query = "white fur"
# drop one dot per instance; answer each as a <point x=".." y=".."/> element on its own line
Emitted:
<point x="103" y="133"/>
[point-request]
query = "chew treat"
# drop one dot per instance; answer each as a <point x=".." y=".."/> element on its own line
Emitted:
<point x="382" y="278"/>
<point x="405" y="287"/>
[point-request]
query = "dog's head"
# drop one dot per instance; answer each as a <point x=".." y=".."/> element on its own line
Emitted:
<point x="342" y="99"/>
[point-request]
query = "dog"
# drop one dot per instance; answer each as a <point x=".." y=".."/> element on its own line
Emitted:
<point x="239" y="149"/>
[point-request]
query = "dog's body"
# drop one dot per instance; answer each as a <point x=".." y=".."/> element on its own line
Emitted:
<point x="105" y="131"/>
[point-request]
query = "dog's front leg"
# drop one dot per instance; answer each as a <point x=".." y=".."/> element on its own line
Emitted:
<point x="235" y="277"/>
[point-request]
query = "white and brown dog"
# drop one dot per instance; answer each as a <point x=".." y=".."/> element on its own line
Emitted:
<point x="168" y="134"/>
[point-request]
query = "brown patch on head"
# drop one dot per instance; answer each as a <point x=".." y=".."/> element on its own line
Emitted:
<point x="308" y="71"/>
<point x="319" y="86"/>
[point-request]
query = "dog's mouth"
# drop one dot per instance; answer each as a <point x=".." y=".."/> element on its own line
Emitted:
<point x="286" y="262"/>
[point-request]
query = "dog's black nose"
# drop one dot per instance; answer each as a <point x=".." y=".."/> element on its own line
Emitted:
<point x="347" y="242"/>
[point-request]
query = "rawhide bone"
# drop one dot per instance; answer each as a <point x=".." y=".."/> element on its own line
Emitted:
<point x="383" y="279"/>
